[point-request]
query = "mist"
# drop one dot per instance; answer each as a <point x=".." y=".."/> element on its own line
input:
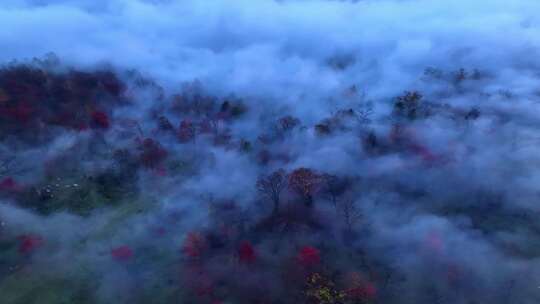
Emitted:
<point x="325" y="152"/>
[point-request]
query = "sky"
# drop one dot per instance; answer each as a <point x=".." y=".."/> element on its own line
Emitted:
<point x="272" y="48"/>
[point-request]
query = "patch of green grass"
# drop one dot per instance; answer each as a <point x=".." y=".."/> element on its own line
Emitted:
<point x="25" y="288"/>
<point x="79" y="195"/>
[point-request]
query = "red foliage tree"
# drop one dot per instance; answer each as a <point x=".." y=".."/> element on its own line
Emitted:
<point x="22" y="112"/>
<point x="194" y="245"/>
<point x="152" y="153"/>
<point x="366" y="291"/>
<point x="309" y="256"/>
<point x="246" y="253"/>
<point x="33" y="97"/>
<point x="29" y="243"/>
<point x="122" y="253"/>
<point x="358" y="288"/>
<point x="100" y="120"/>
<point x="9" y="185"/>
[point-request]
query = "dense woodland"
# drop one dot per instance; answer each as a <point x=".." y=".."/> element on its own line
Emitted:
<point x="117" y="190"/>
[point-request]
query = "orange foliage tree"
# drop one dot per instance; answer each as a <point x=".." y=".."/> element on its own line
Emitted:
<point x="305" y="182"/>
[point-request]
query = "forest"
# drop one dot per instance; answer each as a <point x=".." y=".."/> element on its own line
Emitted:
<point x="245" y="174"/>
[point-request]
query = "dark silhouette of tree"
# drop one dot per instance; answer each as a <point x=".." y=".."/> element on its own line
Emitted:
<point x="334" y="187"/>
<point x="232" y="108"/>
<point x="165" y="124"/>
<point x="473" y="114"/>
<point x="33" y="98"/>
<point x="287" y="123"/>
<point x="272" y="186"/>
<point x="408" y="105"/>
<point x="323" y="128"/>
<point x="152" y="153"/>
<point x="100" y="120"/>
<point x="339" y="121"/>
<point x="351" y="213"/>
<point x="371" y="144"/>
<point x="460" y="76"/>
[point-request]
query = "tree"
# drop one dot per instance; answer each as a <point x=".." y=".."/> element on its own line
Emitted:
<point x="408" y="105"/>
<point x="186" y="131"/>
<point x="334" y="187"/>
<point x="287" y="123"/>
<point x="100" y="120"/>
<point x="371" y="143"/>
<point x="305" y="182"/>
<point x="29" y="243"/>
<point x="246" y="253"/>
<point x="195" y="244"/>
<point x="321" y="290"/>
<point x="272" y="186"/>
<point x="359" y="288"/>
<point x="309" y="256"/>
<point x="165" y="124"/>
<point x="152" y="153"/>
<point x="351" y="213"/>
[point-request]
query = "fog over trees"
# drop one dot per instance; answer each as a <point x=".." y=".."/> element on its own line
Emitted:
<point x="269" y="152"/>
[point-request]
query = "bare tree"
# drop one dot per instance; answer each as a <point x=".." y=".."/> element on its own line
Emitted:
<point x="364" y="112"/>
<point x="334" y="187"/>
<point x="272" y="186"/>
<point x="351" y="213"/>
